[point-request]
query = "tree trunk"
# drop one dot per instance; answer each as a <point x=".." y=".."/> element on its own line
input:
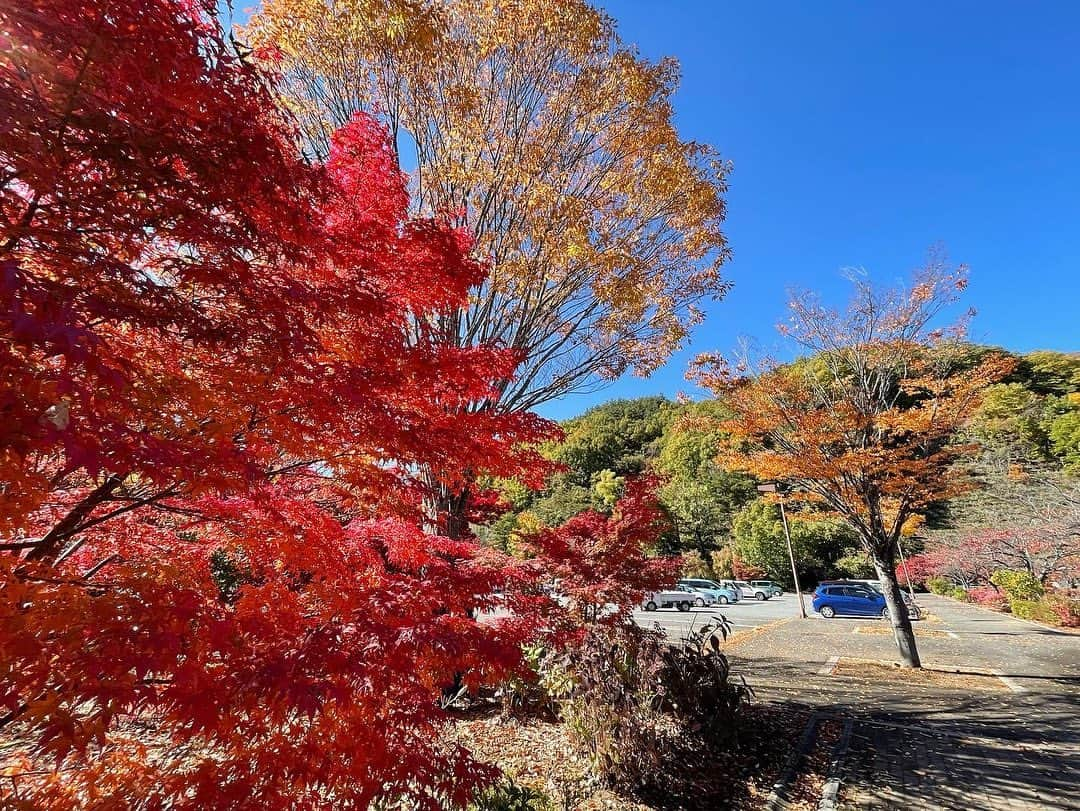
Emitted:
<point x="444" y="510"/>
<point x="898" y="612"/>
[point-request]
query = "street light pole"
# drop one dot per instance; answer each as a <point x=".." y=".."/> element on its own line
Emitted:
<point x="907" y="574"/>
<point x="772" y="487"/>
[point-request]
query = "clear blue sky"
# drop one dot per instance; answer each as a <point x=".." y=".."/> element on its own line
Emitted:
<point x="863" y="132"/>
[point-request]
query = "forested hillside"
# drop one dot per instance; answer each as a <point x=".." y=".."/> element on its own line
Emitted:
<point x="1024" y="455"/>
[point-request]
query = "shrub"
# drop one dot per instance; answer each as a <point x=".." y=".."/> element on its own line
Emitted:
<point x="509" y="796"/>
<point x="1017" y="585"/>
<point x="959" y="593"/>
<point x="611" y="714"/>
<point x="694" y="565"/>
<point x="536" y="691"/>
<point x="1066" y="608"/>
<point x="989" y="597"/>
<point x="1037" y="610"/>
<point x="855" y="564"/>
<point x="696" y="684"/>
<point x="632" y="691"/>
<point x="939" y="585"/>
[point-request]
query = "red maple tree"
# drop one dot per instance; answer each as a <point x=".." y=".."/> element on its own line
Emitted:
<point x="602" y="563"/>
<point x="220" y="379"/>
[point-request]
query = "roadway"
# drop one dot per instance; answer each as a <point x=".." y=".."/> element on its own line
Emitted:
<point x="743" y="615"/>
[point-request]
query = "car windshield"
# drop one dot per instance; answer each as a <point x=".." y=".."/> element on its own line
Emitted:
<point x="741" y="583"/>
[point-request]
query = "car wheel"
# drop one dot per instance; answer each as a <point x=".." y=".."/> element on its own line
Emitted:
<point x="650" y="606"/>
<point x="700" y="602"/>
<point x="885" y="613"/>
<point x="684" y="605"/>
<point x="827" y="612"/>
<point x="760" y="595"/>
<point x="722" y="600"/>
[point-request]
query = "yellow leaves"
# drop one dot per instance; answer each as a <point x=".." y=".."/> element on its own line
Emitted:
<point x="912" y="525"/>
<point x="554" y="137"/>
<point x="526" y="526"/>
<point x="395" y="27"/>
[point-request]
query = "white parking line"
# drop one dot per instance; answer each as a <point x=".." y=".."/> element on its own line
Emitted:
<point x="829" y="666"/>
<point x="1012" y="685"/>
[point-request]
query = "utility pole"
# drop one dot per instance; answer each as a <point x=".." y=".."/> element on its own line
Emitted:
<point x="773" y="487"/>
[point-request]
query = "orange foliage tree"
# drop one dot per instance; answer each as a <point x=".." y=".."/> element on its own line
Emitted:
<point x="534" y="126"/>
<point x="866" y="426"/>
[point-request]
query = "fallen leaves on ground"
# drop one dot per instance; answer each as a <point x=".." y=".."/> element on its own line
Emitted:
<point x="927" y="676"/>
<point x="805" y="791"/>
<point x="877" y="630"/>
<point x="540" y="755"/>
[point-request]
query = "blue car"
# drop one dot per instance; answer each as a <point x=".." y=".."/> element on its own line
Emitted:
<point x="849" y="601"/>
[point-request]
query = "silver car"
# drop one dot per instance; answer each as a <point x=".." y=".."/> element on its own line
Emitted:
<point x="746" y="590"/>
<point x="716" y="592"/>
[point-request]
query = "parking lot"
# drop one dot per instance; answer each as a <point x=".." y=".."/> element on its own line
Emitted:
<point x="744" y="615"/>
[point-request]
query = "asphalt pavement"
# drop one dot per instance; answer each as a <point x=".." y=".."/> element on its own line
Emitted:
<point x="743" y="616"/>
<point x="975" y="745"/>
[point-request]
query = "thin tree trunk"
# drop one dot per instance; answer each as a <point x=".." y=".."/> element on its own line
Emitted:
<point x="49" y="548"/>
<point x="444" y="510"/>
<point x="898" y="612"/>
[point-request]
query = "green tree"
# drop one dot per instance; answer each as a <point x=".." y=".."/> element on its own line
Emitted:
<point x="1052" y="373"/>
<point x="607" y="489"/>
<point x="701" y="497"/>
<point x="1009" y="423"/>
<point x="617" y="436"/>
<point x="758" y="534"/>
<point x="1063" y="430"/>
<point x="563" y="499"/>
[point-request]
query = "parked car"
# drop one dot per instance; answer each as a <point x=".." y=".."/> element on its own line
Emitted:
<point x="746" y="590"/>
<point x="702" y="597"/>
<point x="672" y="598"/>
<point x="718" y="593"/>
<point x="853" y="600"/>
<point x="771" y="588"/>
<point x="875" y="586"/>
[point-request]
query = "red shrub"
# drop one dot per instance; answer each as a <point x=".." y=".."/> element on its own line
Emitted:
<point x="989" y="597"/>
<point x="1067" y="609"/>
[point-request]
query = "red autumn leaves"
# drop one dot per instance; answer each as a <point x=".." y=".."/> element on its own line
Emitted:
<point x="219" y="384"/>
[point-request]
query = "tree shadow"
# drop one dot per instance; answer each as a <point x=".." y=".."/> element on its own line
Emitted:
<point x="1037" y="717"/>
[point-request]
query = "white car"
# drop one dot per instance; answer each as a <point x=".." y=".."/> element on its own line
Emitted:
<point x="710" y="588"/>
<point x="672" y="598"/>
<point x="746" y="590"/>
<point x="702" y="597"/>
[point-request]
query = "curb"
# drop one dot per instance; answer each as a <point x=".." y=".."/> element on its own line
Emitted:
<point x="777" y="800"/>
<point x="1010" y="683"/>
<point x="836" y="767"/>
